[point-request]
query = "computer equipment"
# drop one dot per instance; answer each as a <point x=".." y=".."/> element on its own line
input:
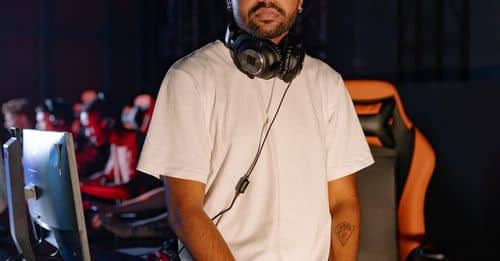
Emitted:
<point x="51" y="189"/>
<point x="14" y="188"/>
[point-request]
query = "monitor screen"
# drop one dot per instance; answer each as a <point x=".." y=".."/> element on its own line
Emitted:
<point x="51" y="178"/>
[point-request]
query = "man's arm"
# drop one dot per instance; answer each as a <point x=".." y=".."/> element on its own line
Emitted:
<point x="344" y="209"/>
<point x="190" y="222"/>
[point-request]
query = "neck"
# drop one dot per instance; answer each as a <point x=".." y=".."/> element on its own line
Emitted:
<point x="278" y="39"/>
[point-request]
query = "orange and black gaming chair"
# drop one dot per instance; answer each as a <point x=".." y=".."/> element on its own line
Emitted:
<point x="392" y="191"/>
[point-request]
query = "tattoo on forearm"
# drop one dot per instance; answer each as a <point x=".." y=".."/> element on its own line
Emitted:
<point x="343" y="231"/>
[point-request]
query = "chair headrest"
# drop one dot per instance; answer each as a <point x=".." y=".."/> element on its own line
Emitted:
<point x="376" y="118"/>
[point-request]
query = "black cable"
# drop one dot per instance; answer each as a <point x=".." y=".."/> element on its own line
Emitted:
<point x="244" y="180"/>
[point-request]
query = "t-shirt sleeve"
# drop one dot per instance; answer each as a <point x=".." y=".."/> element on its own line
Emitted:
<point x="176" y="144"/>
<point x="347" y="149"/>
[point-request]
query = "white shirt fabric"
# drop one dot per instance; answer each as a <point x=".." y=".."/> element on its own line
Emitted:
<point x="207" y="126"/>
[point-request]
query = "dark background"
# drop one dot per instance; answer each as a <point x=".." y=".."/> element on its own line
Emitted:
<point x="444" y="56"/>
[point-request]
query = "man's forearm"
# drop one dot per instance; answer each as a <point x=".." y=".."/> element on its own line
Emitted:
<point x="199" y="234"/>
<point x="345" y="232"/>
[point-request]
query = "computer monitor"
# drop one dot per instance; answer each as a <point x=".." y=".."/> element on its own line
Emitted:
<point x="53" y="191"/>
<point x="14" y="189"/>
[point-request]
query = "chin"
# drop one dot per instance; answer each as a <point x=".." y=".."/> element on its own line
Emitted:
<point x="265" y="31"/>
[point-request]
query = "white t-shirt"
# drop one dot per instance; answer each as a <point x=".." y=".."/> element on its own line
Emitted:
<point x="207" y="126"/>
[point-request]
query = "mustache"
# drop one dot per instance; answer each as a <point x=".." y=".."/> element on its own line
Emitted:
<point x="266" y="5"/>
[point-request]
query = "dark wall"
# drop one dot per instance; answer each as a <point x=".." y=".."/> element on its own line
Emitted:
<point x="458" y="119"/>
<point x="59" y="48"/>
<point x="485" y="40"/>
<point x="443" y="56"/>
<point x="20" y="49"/>
<point x="361" y="44"/>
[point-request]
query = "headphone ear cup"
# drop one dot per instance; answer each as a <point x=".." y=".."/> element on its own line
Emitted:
<point x="256" y="57"/>
<point x="292" y="60"/>
<point x="262" y="58"/>
<point x="252" y="56"/>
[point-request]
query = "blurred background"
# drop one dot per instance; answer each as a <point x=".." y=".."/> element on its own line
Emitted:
<point x="443" y="55"/>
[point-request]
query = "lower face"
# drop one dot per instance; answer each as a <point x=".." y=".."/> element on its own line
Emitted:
<point x="266" y="20"/>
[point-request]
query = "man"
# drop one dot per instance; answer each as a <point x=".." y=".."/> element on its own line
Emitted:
<point x="296" y="134"/>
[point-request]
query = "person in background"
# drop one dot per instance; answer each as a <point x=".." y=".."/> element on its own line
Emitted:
<point x="102" y="127"/>
<point x="138" y="116"/>
<point x="119" y="177"/>
<point x="86" y="96"/>
<point x="54" y="115"/>
<point x="18" y="113"/>
<point x="96" y="125"/>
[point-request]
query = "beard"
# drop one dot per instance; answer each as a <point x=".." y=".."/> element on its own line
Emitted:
<point x="262" y="30"/>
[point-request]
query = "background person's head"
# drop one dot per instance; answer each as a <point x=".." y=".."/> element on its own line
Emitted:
<point x="88" y="95"/>
<point x="54" y="115"/>
<point x="266" y="19"/>
<point x="138" y="116"/>
<point x="18" y="113"/>
<point x="98" y="120"/>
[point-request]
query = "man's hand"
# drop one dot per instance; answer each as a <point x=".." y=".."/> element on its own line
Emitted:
<point x="190" y="222"/>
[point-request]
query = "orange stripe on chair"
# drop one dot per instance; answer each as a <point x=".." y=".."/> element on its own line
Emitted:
<point x="374" y="141"/>
<point x="368" y="109"/>
<point x="368" y="90"/>
<point x="411" y="206"/>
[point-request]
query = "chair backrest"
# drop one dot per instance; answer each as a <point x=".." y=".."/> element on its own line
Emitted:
<point x="392" y="191"/>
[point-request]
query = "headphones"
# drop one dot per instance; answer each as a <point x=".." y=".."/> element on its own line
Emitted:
<point x="132" y="117"/>
<point x="262" y="58"/>
<point x="103" y="108"/>
<point x="138" y="116"/>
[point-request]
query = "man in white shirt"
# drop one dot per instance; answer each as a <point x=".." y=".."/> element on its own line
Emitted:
<point x="297" y="134"/>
